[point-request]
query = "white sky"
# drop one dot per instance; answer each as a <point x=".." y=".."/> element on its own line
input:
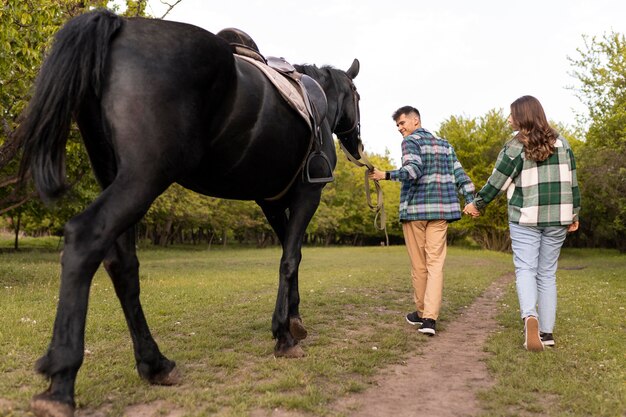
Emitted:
<point x="447" y="57"/>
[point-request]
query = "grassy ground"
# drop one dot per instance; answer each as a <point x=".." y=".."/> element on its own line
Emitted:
<point x="211" y="312"/>
<point x="585" y="374"/>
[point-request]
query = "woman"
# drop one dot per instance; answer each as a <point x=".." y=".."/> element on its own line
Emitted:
<point x="538" y="171"/>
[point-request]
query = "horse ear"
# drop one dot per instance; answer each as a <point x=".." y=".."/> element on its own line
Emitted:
<point x="353" y="71"/>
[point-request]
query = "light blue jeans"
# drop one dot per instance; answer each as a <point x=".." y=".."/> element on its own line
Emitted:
<point x="535" y="256"/>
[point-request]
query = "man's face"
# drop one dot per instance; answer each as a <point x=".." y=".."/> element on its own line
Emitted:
<point x="407" y="123"/>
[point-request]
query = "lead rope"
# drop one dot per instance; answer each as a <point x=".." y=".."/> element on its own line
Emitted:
<point x="380" y="217"/>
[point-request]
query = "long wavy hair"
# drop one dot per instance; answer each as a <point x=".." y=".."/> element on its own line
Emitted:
<point x="534" y="131"/>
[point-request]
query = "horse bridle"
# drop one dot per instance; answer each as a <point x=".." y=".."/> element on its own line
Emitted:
<point x="380" y="218"/>
<point x="357" y="120"/>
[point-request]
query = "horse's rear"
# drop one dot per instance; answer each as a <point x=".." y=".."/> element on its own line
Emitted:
<point x="143" y="102"/>
<point x="165" y="91"/>
<point x="141" y="90"/>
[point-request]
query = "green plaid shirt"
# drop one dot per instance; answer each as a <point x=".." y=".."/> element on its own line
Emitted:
<point x="539" y="193"/>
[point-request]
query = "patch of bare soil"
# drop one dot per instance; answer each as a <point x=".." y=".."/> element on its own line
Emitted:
<point x="6" y="406"/>
<point x="442" y="381"/>
<point x="153" y="409"/>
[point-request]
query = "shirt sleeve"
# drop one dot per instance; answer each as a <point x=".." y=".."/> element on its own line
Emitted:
<point x="463" y="182"/>
<point x="575" y="189"/>
<point x="505" y="171"/>
<point x="412" y="165"/>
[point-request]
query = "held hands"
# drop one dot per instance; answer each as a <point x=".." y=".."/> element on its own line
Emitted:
<point x="471" y="210"/>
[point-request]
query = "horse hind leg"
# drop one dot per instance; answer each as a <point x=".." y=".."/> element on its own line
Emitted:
<point x="122" y="265"/>
<point x="65" y="354"/>
<point x="88" y="238"/>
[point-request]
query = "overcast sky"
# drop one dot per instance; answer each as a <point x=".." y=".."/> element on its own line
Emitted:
<point x="455" y="57"/>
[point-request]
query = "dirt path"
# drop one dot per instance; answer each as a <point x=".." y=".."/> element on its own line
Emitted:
<point x="441" y="382"/>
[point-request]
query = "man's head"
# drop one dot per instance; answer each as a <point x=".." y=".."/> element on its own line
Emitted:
<point x="407" y="120"/>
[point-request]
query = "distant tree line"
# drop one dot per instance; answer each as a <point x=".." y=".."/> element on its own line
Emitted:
<point x="181" y="216"/>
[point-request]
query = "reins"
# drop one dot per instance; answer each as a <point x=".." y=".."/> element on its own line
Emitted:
<point x="380" y="217"/>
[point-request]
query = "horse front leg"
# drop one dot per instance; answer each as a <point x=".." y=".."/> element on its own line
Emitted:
<point x="287" y="325"/>
<point x="286" y="343"/>
<point x="122" y="265"/>
<point x="276" y="214"/>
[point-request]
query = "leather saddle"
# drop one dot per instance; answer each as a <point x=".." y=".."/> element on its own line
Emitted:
<point x="316" y="167"/>
<point x="312" y="93"/>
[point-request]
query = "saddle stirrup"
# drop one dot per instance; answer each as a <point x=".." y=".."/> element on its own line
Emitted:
<point x="318" y="156"/>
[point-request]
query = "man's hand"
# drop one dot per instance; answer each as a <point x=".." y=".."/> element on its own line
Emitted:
<point x="573" y="227"/>
<point x="471" y="210"/>
<point x="376" y="175"/>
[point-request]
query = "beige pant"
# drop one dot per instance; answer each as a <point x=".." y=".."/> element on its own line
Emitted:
<point x="426" y="244"/>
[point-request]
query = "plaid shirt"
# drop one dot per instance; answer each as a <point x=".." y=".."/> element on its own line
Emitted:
<point x="539" y="193"/>
<point x="431" y="174"/>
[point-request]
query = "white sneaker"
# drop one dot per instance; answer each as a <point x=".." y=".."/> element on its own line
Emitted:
<point x="532" y="340"/>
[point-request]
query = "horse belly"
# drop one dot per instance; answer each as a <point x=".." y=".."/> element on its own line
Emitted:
<point x="259" y="146"/>
<point x="262" y="167"/>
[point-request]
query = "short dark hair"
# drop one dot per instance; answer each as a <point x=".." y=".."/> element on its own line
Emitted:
<point x="406" y="110"/>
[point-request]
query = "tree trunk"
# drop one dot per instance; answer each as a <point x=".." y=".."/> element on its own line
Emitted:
<point x="165" y="233"/>
<point x="17" y="229"/>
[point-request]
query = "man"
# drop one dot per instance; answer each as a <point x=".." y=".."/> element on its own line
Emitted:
<point x="431" y="175"/>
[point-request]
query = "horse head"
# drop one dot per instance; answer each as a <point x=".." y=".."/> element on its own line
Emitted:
<point x="342" y="114"/>
<point x="347" y="125"/>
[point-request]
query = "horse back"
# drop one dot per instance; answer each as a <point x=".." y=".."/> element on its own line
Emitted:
<point x="177" y="108"/>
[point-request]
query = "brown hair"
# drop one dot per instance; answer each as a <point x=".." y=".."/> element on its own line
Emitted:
<point x="406" y="110"/>
<point x="534" y="132"/>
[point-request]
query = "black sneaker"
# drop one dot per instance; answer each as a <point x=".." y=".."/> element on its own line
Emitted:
<point x="547" y="339"/>
<point x="428" y="327"/>
<point x="414" y="318"/>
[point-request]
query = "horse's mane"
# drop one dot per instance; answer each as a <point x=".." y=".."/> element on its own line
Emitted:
<point x="322" y="74"/>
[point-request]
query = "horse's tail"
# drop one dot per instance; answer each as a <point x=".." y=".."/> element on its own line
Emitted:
<point x="74" y="68"/>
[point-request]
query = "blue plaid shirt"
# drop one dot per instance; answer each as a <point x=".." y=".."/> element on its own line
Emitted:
<point x="430" y="174"/>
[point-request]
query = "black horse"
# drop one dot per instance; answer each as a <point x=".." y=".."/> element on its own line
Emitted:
<point x="157" y="103"/>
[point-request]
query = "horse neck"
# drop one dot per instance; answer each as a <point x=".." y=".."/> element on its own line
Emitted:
<point x="326" y="78"/>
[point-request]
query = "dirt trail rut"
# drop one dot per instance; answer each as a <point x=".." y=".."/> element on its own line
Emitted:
<point x="441" y="382"/>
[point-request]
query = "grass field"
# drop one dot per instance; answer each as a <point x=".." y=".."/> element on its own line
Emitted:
<point x="585" y="374"/>
<point x="211" y="312"/>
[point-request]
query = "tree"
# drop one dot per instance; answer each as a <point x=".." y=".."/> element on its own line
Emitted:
<point x="26" y="32"/>
<point x="601" y="71"/>
<point x="477" y="143"/>
<point x="343" y="215"/>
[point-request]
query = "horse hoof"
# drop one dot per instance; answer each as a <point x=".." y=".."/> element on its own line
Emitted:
<point x="290" y="352"/>
<point x="296" y="328"/>
<point x="44" y="407"/>
<point x="173" y="377"/>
